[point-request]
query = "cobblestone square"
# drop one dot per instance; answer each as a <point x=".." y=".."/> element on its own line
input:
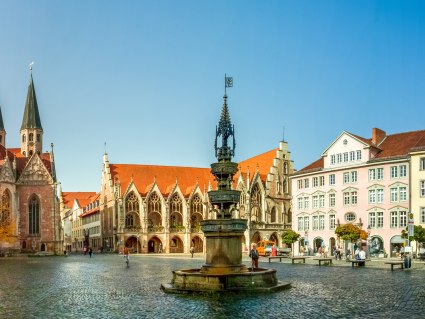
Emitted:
<point x="102" y="287"/>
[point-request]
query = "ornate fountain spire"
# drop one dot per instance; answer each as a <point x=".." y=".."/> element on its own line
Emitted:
<point x="225" y="129"/>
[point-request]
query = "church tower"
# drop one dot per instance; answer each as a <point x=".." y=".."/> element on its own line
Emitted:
<point x="2" y="131"/>
<point x="31" y="130"/>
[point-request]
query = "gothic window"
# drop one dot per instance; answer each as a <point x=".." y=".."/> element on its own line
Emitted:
<point x="34" y="215"/>
<point x="132" y="203"/>
<point x="273" y="215"/>
<point x="38" y="137"/>
<point x="31" y="152"/>
<point x="129" y="220"/>
<point x="154" y="203"/>
<point x="196" y="211"/>
<point x="5" y="206"/>
<point x="31" y="137"/>
<point x="24" y="138"/>
<point x="256" y="204"/>
<point x="176" y="218"/>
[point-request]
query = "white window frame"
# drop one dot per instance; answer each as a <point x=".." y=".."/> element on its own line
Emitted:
<point x="393" y="194"/>
<point x="306" y="182"/>
<point x="422" y="188"/>
<point x="372" y="174"/>
<point x="394" y="219"/>
<point x="422" y="215"/>
<point x="316" y="222"/>
<point x="321" y="201"/>
<point x="402" y="171"/>
<point x="354" y="177"/>
<point x="321" y="222"/>
<point x="402" y="193"/>
<point x="346" y="197"/>
<point x="403" y="218"/>
<point x="315" y="181"/>
<point x="300" y="223"/>
<point x="380" y="196"/>
<point x="315" y="201"/>
<point x="354" y="198"/>
<point x="422" y="164"/>
<point x="346" y="178"/>
<point x="358" y="155"/>
<point x="380" y="220"/>
<point x="352" y="156"/>
<point x="321" y="180"/>
<point x="339" y="157"/>
<point x="394" y="172"/>
<point x="332" y="179"/>
<point x="331" y="200"/>
<point x="332" y="221"/>
<point x="380" y="174"/>
<point x="372" y="220"/>
<point x="332" y="159"/>
<point x="372" y="196"/>
<point x="306" y="223"/>
<point x="345" y="157"/>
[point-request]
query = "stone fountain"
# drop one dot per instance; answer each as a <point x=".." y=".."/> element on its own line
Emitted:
<point x="223" y="269"/>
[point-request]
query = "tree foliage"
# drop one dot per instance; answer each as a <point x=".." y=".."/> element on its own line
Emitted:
<point x="7" y="229"/>
<point x="289" y="236"/>
<point x="418" y="234"/>
<point x="349" y="232"/>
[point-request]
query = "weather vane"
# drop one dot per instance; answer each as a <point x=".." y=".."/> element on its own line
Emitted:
<point x="31" y="64"/>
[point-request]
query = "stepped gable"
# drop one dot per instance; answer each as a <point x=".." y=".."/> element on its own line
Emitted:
<point x="263" y="162"/>
<point x="165" y="177"/>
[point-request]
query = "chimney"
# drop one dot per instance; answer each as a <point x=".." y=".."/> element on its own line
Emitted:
<point x="378" y="136"/>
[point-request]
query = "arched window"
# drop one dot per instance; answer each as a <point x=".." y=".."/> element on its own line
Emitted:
<point x="132" y="203"/>
<point x="34" y="215"/>
<point x="273" y="215"/>
<point x="129" y="220"/>
<point x="154" y="203"/>
<point x="24" y="138"/>
<point x="176" y="218"/>
<point x="256" y="204"/>
<point x="5" y="206"/>
<point x="31" y="137"/>
<point x="31" y="152"/>
<point x="38" y="137"/>
<point x="196" y="211"/>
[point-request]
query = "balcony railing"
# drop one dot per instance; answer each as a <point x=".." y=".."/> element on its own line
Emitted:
<point x="133" y="229"/>
<point x="177" y="229"/>
<point x="155" y="229"/>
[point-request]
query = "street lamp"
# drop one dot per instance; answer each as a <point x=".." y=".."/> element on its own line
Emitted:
<point x="368" y="240"/>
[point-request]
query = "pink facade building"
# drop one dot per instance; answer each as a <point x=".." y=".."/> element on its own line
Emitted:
<point x="364" y="181"/>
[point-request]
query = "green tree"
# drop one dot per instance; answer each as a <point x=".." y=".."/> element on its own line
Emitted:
<point x="289" y="237"/>
<point x="348" y="232"/>
<point x="418" y="235"/>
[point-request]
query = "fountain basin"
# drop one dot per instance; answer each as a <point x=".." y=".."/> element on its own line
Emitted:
<point x="259" y="280"/>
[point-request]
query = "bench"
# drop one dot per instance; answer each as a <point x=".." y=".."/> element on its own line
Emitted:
<point x="297" y="258"/>
<point x="358" y="262"/>
<point x="329" y="260"/>
<point x="275" y="257"/>
<point x="395" y="262"/>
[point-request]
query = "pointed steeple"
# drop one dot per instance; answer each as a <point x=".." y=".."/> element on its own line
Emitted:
<point x="2" y="131"/>
<point x="31" y="129"/>
<point x="31" y="117"/>
<point x="225" y="129"/>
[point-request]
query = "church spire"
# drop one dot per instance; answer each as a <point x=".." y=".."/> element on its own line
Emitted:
<point x="31" y="129"/>
<point x="2" y="131"/>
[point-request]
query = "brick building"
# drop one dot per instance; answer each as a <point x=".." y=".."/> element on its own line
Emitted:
<point x="29" y="207"/>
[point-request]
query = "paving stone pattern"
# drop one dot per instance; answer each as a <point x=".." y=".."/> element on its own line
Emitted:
<point x="102" y="287"/>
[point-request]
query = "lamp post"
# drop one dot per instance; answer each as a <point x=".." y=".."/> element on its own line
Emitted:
<point x="368" y="241"/>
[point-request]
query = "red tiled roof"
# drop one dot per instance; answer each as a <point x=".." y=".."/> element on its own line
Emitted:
<point x="165" y="177"/>
<point x="394" y="145"/>
<point x="262" y="162"/>
<point x="400" y="144"/>
<point x="69" y="197"/>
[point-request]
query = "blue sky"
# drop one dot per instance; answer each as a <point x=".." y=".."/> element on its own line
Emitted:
<point x="147" y="77"/>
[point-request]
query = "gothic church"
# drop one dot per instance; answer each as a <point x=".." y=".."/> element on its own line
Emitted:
<point x="29" y="214"/>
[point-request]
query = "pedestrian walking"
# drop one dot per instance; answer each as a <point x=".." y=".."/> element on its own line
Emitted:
<point x="254" y="256"/>
<point x="126" y="258"/>
<point x="274" y="250"/>
<point x="90" y="252"/>
<point x="192" y="250"/>
<point x="160" y="248"/>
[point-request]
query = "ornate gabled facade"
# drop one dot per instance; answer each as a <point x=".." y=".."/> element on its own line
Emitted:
<point x="28" y="187"/>
<point x="150" y="208"/>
